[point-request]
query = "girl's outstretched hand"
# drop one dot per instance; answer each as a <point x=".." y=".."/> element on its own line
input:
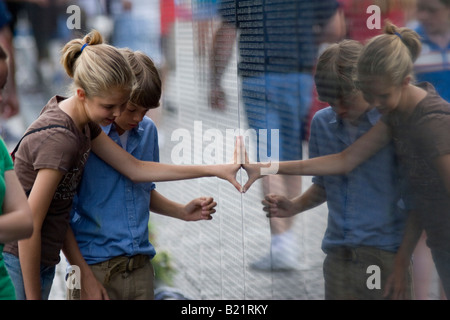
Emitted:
<point x="254" y="170"/>
<point x="228" y="172"/>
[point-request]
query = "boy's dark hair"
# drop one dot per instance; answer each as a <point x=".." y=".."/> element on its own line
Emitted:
<point x="147" y="88"/>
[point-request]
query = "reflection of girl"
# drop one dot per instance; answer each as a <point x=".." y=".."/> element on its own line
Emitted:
<point x="364" y="227"/>
<point x="418" y="120"/>
<point x="50" y="162"/>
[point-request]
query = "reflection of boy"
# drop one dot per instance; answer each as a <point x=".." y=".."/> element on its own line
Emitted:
<point x="365" y="224"/>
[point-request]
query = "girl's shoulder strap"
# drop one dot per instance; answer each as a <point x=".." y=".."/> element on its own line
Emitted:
<point x="33" y="131"/>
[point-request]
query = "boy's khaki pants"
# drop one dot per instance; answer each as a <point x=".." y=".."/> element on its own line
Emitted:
<point x="124" y="278"/>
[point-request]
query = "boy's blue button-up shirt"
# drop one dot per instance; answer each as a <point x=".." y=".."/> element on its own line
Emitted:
<point x="110" y="213"/>
<point x="363" y="205"/>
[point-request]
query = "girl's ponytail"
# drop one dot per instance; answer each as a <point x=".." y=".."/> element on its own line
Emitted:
<point x="409" y="38"/>
<point x="390" y="55"/>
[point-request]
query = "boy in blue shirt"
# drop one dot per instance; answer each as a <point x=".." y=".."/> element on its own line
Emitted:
<point x="365" y="222"/>
<point x="110" y="213"/>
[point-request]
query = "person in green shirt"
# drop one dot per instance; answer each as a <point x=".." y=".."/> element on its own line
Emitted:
<point x="15" y="214"/>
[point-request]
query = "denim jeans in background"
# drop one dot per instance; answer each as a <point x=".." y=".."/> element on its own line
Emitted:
<point x="13" y="265"/>
<point x="278" y="101"/>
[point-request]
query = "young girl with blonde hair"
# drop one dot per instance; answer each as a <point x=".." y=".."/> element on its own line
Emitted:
<point x="50" y="161"/>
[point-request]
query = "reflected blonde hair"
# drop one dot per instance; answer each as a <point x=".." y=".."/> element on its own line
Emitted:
<point x="391" y="54"/>
<point x="98" y="67"/>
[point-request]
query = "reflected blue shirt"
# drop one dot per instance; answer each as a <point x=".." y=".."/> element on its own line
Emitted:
<point x="433" y="64"/>
<point x="364" y="206"/>
<point x="110" y="213"/>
